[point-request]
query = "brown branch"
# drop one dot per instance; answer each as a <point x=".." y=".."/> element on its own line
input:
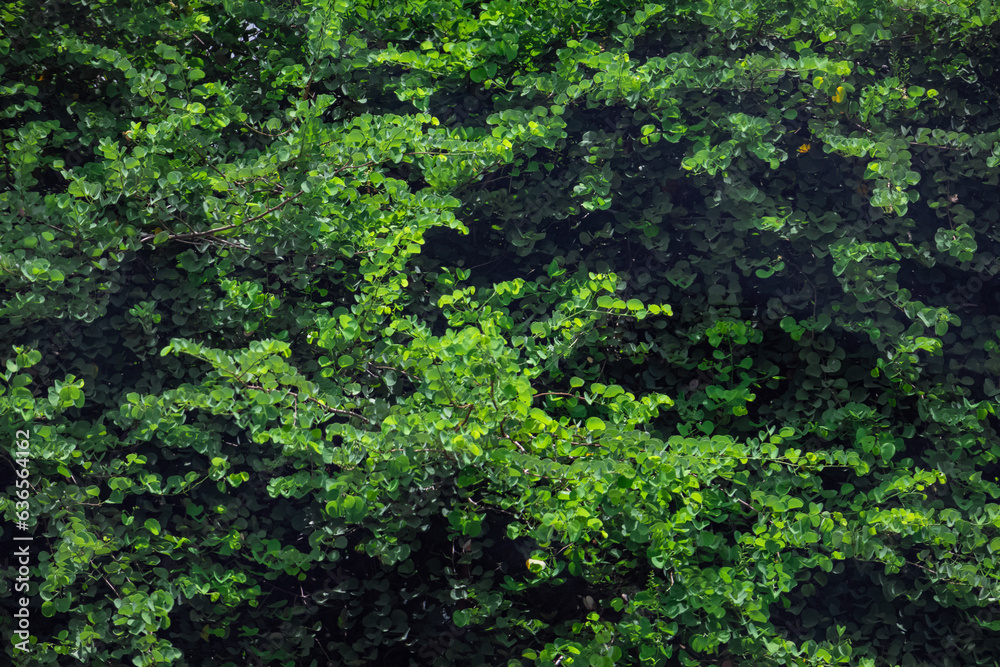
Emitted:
<point x="336" y="411"/>
<point x="493" y="397"/>
<point x="748" y="505"/>
<point x="436" y="450"/>
<point x="209" y="232"/>
<point x="216" y="169"/>
<point x="585" y="444"/>
<point x="265" y="134"/>
<point x="225" y="242"/>
<point x="467" y="415"/>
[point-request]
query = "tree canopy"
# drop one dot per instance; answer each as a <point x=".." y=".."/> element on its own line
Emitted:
<point x="563" y="332"/>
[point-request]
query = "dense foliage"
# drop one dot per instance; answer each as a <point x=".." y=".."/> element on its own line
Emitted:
<point x="572" y="332"/>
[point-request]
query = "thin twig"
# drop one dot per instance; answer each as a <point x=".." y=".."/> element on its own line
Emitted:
<point x="336" y="411"/>
<point x="209" y="232"/>
<point x="467" y="415"/>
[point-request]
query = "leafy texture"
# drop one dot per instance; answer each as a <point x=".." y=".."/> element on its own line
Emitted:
<point x="434" y="333"/>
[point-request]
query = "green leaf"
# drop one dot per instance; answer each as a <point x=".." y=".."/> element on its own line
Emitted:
<point x="152" y="525"/>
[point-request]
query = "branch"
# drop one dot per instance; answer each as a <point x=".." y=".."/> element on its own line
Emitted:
<point x="467" y="415"/>
<point x="336" y="411"/>
<point x="209" y="232"/>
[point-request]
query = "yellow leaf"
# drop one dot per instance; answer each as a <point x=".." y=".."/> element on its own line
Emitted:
<point x="804" y="148"/>
<point x="839" y="97"/>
